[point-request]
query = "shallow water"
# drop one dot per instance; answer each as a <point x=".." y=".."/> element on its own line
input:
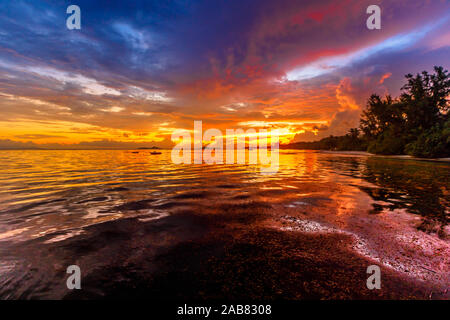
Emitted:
<point x="396" y="210"/>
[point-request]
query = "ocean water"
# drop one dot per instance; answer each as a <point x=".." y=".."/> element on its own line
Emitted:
<point x="121" y="210"/>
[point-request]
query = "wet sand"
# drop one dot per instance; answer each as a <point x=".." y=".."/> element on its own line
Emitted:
<point x="225" y="251"/>
<point x="236" y="251"/>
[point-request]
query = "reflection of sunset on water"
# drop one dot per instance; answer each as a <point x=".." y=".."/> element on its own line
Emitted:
<point x="51" y="197"/>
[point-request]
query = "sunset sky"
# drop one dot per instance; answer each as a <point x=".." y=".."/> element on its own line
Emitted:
<point x="138" y="70"/>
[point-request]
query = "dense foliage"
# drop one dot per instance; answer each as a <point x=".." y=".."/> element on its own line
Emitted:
<point x="416" y="123"/>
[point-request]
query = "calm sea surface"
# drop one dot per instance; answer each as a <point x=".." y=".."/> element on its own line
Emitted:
<point x="54" y="204"/>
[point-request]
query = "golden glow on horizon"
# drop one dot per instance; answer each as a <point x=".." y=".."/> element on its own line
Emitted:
<point x="65" y="132"/>
<point x="265" y="124"/>
<point x="262" y="137"/>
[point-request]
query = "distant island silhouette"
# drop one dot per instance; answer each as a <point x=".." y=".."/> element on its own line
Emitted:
<point x="149" y="148"/>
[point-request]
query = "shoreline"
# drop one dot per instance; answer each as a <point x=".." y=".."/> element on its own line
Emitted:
<point x="401" y="157"/>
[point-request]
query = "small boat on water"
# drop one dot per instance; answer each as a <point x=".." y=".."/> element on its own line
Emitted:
<point x="155" y="152"/>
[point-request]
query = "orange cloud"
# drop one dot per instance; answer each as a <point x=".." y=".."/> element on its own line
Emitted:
<point x="344" y="95"/>
<point x="384" y="77"/>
